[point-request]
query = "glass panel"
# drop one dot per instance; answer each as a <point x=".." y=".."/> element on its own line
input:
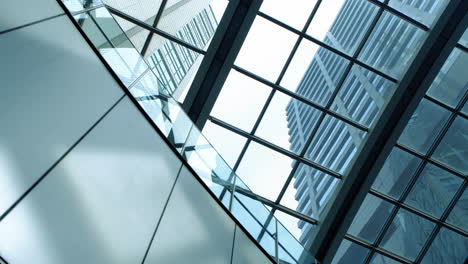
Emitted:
<point x="309" y="191"/>
<point x="425" y="12"/>
<point x="363" y="96"/>
<point x="396" y="172"/>
<point x="370" y="218"/>
<point x="451" y="83"/>
<point x="459" y="213"/>
<point x="448" y="247"/>
<point x="381" y="259"/>
<point x="465" y="108"/>
<point x="266" y="62"/>
<point x="464" y="39"/>
<point x="453" y="149"/>
<point x="240" y="101"/>
<point x="349" y="251"/>
<point x="342" y="24"/>
<point x="264" y="170"/>
<point x="433" y="190"/>
<point x="245" y="251"/>
<point x="294" y="13"/>
<point x="392" y="45"/>
<point x="424" y="126"/>
<point x="335" y="144"/>
<point x="314" y="72"/>
<point x="78" y="5"/>
<point x="227" y="143"/>
<point x="407" y="234"/>
<point x="298" y="231"/>
<point x="288" y="241"/>
<point x="247" y="218"/>
<point x="284" y="123"/>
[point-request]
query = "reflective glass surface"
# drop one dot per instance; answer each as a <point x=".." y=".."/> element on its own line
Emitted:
<point x="347" y="251"/>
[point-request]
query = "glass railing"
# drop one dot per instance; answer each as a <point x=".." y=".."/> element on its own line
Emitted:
<point x="167" y="114"/>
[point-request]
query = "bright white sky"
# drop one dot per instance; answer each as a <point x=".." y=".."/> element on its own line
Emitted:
<point x="264" y="53"/>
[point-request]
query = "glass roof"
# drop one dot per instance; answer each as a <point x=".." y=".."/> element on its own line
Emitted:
<point x="304" y="93"/>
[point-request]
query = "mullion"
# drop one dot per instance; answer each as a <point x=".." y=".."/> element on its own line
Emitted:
<point x="399" y="14"/>
<point x="416" y="175"/>
<point x="438" y="226"/>
<point x="331" y="48"/>
<point x="302" y="99"/>
<point x="272" y="93"/>
<point x="372" y="248"/>
<point x="330" y="101"/>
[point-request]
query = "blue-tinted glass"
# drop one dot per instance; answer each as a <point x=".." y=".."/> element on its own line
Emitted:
<point x="245" y="217"/>
<point x="465" y="108"/>
<point x="407" y="234"/>
<point x="392" y="45"/>
<point x="425" y="12"/>
<point x="424" y="126"/>
<point x="78" y="5"/>
<point x="370" y="218"/>
<point x="381" y="259"/>
<point x="349" y="251"/>
<point x="363" y="95"/>
<point x="459" y="215"/>
<point x="453" y="149"/>
<point x="433" y="190"/>
<point x="396" y="173"/>
<point x="451" y="83"/>
<point x="448" y="247"/>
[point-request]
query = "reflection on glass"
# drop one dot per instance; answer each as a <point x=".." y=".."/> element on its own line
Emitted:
<point x="459" y="213"/>
<point x="440" y="252"/>
<point x="370" y="218"/>
<point x="342" y="23"/>
<point x="392" y="45"/>
<point x="407" y="234"/>
<point x="314" y="72"/>
<point x="240" y="101"/>
<point x="265" y="62"/>
<point x="381" y="259"/>
<point x="396" y="173"/>
<point x="363" y="96"/>
<point x="293" y="12"/>
<point x="349" y="251"/>
<point x="424" y="126"/>
<point x="264" y="170"/>
<point x="451" y="82"/>
<point x="425" y="12"/>
<point x="433" y="190"/>
<point x="453" y="149"/>
<point x="335" y="144"/>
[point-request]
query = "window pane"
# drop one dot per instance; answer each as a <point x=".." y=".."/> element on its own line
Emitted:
<point x="451" y="83"/>
<point x="292" y="12"/>
<point x="448" y="247"/>
<point x="433" y="190"/>
<point x="342" y="24"/>
<point x="349" y="251"/>
<point x="392" y="45"/>
<point x="314" y="72"/>
<point x="425" y="12"/>
<point x="424" y="126"/>
<point x="335" y="144"/>
<point x="453" y="149"/>
<point x="396" y="173"/>
<point x="228" y="144"/>
<point x="370" y="218"/>
<point x="407" y="234"/>
<point x="266" y="49"/>
<point x="459" y="213"/>
<point x="284" y="122"/>
<point x="363" y="96"/>
<point x="241" y="100"/>
<point x="381" y="259"/>
<point x="264" y="170"/>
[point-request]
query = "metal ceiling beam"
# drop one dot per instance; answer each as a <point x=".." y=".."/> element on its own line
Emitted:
<point x="214" y="69"/>
<point x="435" y="50"/>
